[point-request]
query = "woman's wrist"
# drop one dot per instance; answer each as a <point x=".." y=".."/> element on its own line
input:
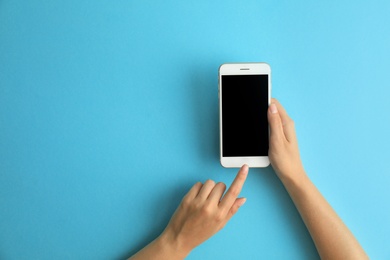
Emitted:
<point x="172" y="246"/>
<point x="296" y="178"/>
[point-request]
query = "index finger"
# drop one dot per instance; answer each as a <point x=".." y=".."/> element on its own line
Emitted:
<point x="235" y="189"/>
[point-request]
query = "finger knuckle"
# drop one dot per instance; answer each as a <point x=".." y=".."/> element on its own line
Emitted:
<point x="234" y="210"/>
<point x="206" y="210"/>
<point x="186" y="202"/>
<point x="241" y="177"/>
<point x="220" y="217"/>
<point x="234" y="191"/>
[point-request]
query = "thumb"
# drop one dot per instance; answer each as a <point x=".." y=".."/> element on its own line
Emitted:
<point x="236" y="205"/>
<point x="275" y="122"/>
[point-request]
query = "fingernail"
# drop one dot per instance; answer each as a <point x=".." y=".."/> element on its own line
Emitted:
<point x="242" y="202"/>
<point x="245" y="167"/>
<point x="273" y="108"/>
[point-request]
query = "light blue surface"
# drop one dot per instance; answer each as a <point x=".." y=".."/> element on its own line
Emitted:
<point x="109" y="113"/>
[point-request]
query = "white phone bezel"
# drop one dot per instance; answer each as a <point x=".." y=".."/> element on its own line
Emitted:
<point x="258" y="68"/>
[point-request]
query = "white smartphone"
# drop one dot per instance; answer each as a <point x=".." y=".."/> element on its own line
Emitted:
<point x="244" y="97"/>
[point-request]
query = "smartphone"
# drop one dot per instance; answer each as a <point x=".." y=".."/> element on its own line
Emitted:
<point x="244" y="97"/>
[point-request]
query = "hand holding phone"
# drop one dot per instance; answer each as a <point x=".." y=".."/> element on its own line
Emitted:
<point x="283" y="150"/>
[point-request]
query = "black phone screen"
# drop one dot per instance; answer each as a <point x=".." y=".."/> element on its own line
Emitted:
<point x="244" y="115"/>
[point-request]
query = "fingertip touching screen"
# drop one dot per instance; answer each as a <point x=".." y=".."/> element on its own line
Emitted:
<point x="244" y="115"/>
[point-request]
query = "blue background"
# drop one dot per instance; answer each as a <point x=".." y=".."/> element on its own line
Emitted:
<point x="109" y="114"/>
